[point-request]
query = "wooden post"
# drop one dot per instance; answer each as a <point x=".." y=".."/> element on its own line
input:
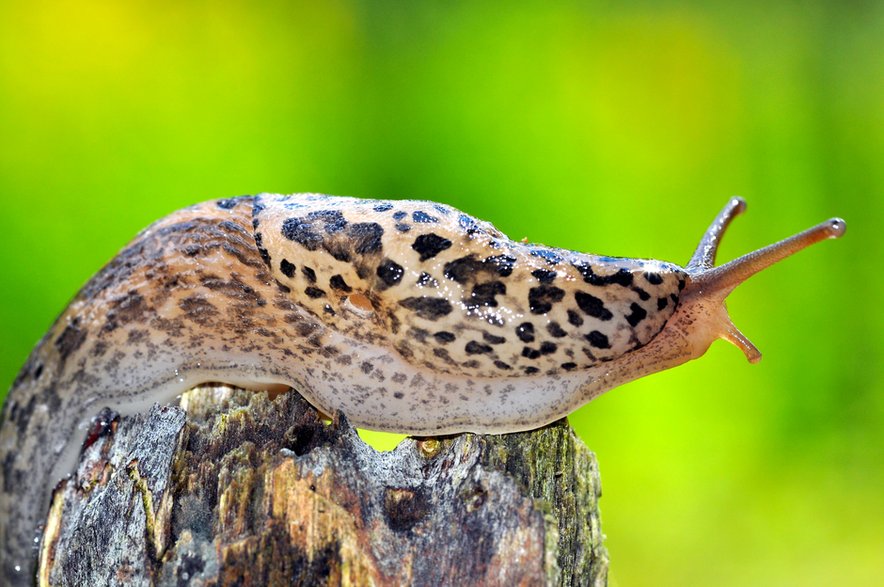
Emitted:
<point x="237" y="488"/>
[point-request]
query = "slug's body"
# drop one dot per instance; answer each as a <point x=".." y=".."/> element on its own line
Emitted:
<point x="406" y="316"/>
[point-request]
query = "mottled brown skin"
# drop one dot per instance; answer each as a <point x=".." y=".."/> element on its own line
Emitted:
<point x="406" y="316"/>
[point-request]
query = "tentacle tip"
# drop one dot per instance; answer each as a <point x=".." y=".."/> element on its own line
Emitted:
<point x="739" y="204"/>
<point x="836" y="227"/>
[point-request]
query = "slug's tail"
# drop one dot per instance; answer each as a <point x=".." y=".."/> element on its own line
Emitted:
<point x="716" y="283"/>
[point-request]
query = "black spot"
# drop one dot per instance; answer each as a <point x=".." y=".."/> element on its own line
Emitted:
<point x="674" y="298"/>
<point x="543" y="275"/>
<point x="501" y="365"/>
<point x="337" y="282"/>
<point x="622" y="277"/>
<point x="398" y="394"/>
<point x="681" y="284"/>
<point x="642" y="294"/>
<point x="402" y="227"/>
<point x="662" y="303"/>
<point x="477" y="348"/>
<point x="366" y="237"/>
<point x="463" y="269"/>
<point x="423" y="217"/>
<point x="227" y="203"/>
<point x="390" y="272"/>
<point x="314" y="292"/>
<point x="430" y="245"/>
<point x="383" y="207"/>
<point x="427" y="280"/>
<point x="503" y="263"/>
<point x="427" y="307"/>
<point x="569" y="366"/>
<point x="444" y="337"/>
<point x="329" y="310"/>
<point x="592" y="306"/>
<point x="492" y="339"/>
<point x="309" y="273"/>
<point x="598" y="340"/>
<point x="574" y="318"/>
<point x="399" y="215"/>
<point x="259" y="242"/>
<point x="555" y="330"/>
<point x="531" y="370"/>
<point x="70" y="339"/>
<point x="287" y="268"/>
<point x="542" y="298"/>
<point x="653" y="278"/>
<point x="38" y="371"/>
<point x="332" y="220"/>
<point x="547" y="255"/>
<point x="283" y="287"/>
<point x="638" y="314"/>
<point x="530" y="353"/>
<point x="468" y="224"/>
<point x="300" y="230"/>
<point x="547" y="347"/>
<point x="483" y="294"/>
<point x="525" y="332"/>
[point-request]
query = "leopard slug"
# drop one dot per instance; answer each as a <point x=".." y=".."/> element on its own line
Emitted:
<point x="406" y="316"/>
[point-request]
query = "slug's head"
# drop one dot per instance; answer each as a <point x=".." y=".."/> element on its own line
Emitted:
<point x="704" y="315"/>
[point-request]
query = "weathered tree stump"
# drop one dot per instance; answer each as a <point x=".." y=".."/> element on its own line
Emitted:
<point x="236" y="488"/>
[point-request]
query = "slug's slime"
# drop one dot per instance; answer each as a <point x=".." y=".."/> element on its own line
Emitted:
<point x="406" y="316"/>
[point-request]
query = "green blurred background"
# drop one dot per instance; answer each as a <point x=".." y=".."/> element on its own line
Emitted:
<point x="611" y="129"/>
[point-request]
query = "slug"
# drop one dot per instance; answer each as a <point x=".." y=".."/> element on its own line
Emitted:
<point x="407" y="316"/>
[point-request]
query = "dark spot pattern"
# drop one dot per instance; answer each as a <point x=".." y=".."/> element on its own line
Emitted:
<point x="621" y="277"/>
<point x="592" y="306"/>
<point x="444" y="337"/>
<point x="574" y="319"/>
<point x="637" y="315"/>
<point x="662" y="303"/>
<point x="525" y="332"/>
<point x="309" y="273"/>
<point x="383" y="207"/>
<point x="337" y="282"/>
<point x="501" y="365"/>
<point x="430" y="245"/>
<point x="653" y="278"/>
<point x="314" y="292"/>
<point x="542" y="298"/>
<point x="287" y="268"/>
<point x="544" y="276"/>
<point x="530" y="353"/>
<point x="427" y="280"/>
<point x="428" y="307"/>
<point x="483" y="294"/>
<point x="399" y="215"/>
<point x="366" y="237"/>
<point x="547" y="255"/>
<point x="547" y="347"/>
<point x="598" y="340"/>
<point x="492" y="338"/>
<point x="227" y="203"/>
<point x="555" y="330"/>
<point x="423" y="217"/>
<point x="569" y="366"/>
<point x="477" y="348"/>
<point x="390" y="272"/>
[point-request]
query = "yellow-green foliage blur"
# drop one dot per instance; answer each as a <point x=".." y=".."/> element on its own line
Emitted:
<point x="592" y="126"/>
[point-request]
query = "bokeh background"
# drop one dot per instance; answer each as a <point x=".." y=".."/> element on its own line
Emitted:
<point x="603" y="127"/>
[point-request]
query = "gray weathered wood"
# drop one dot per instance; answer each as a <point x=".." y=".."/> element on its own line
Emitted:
<point x="236" y="488"/>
